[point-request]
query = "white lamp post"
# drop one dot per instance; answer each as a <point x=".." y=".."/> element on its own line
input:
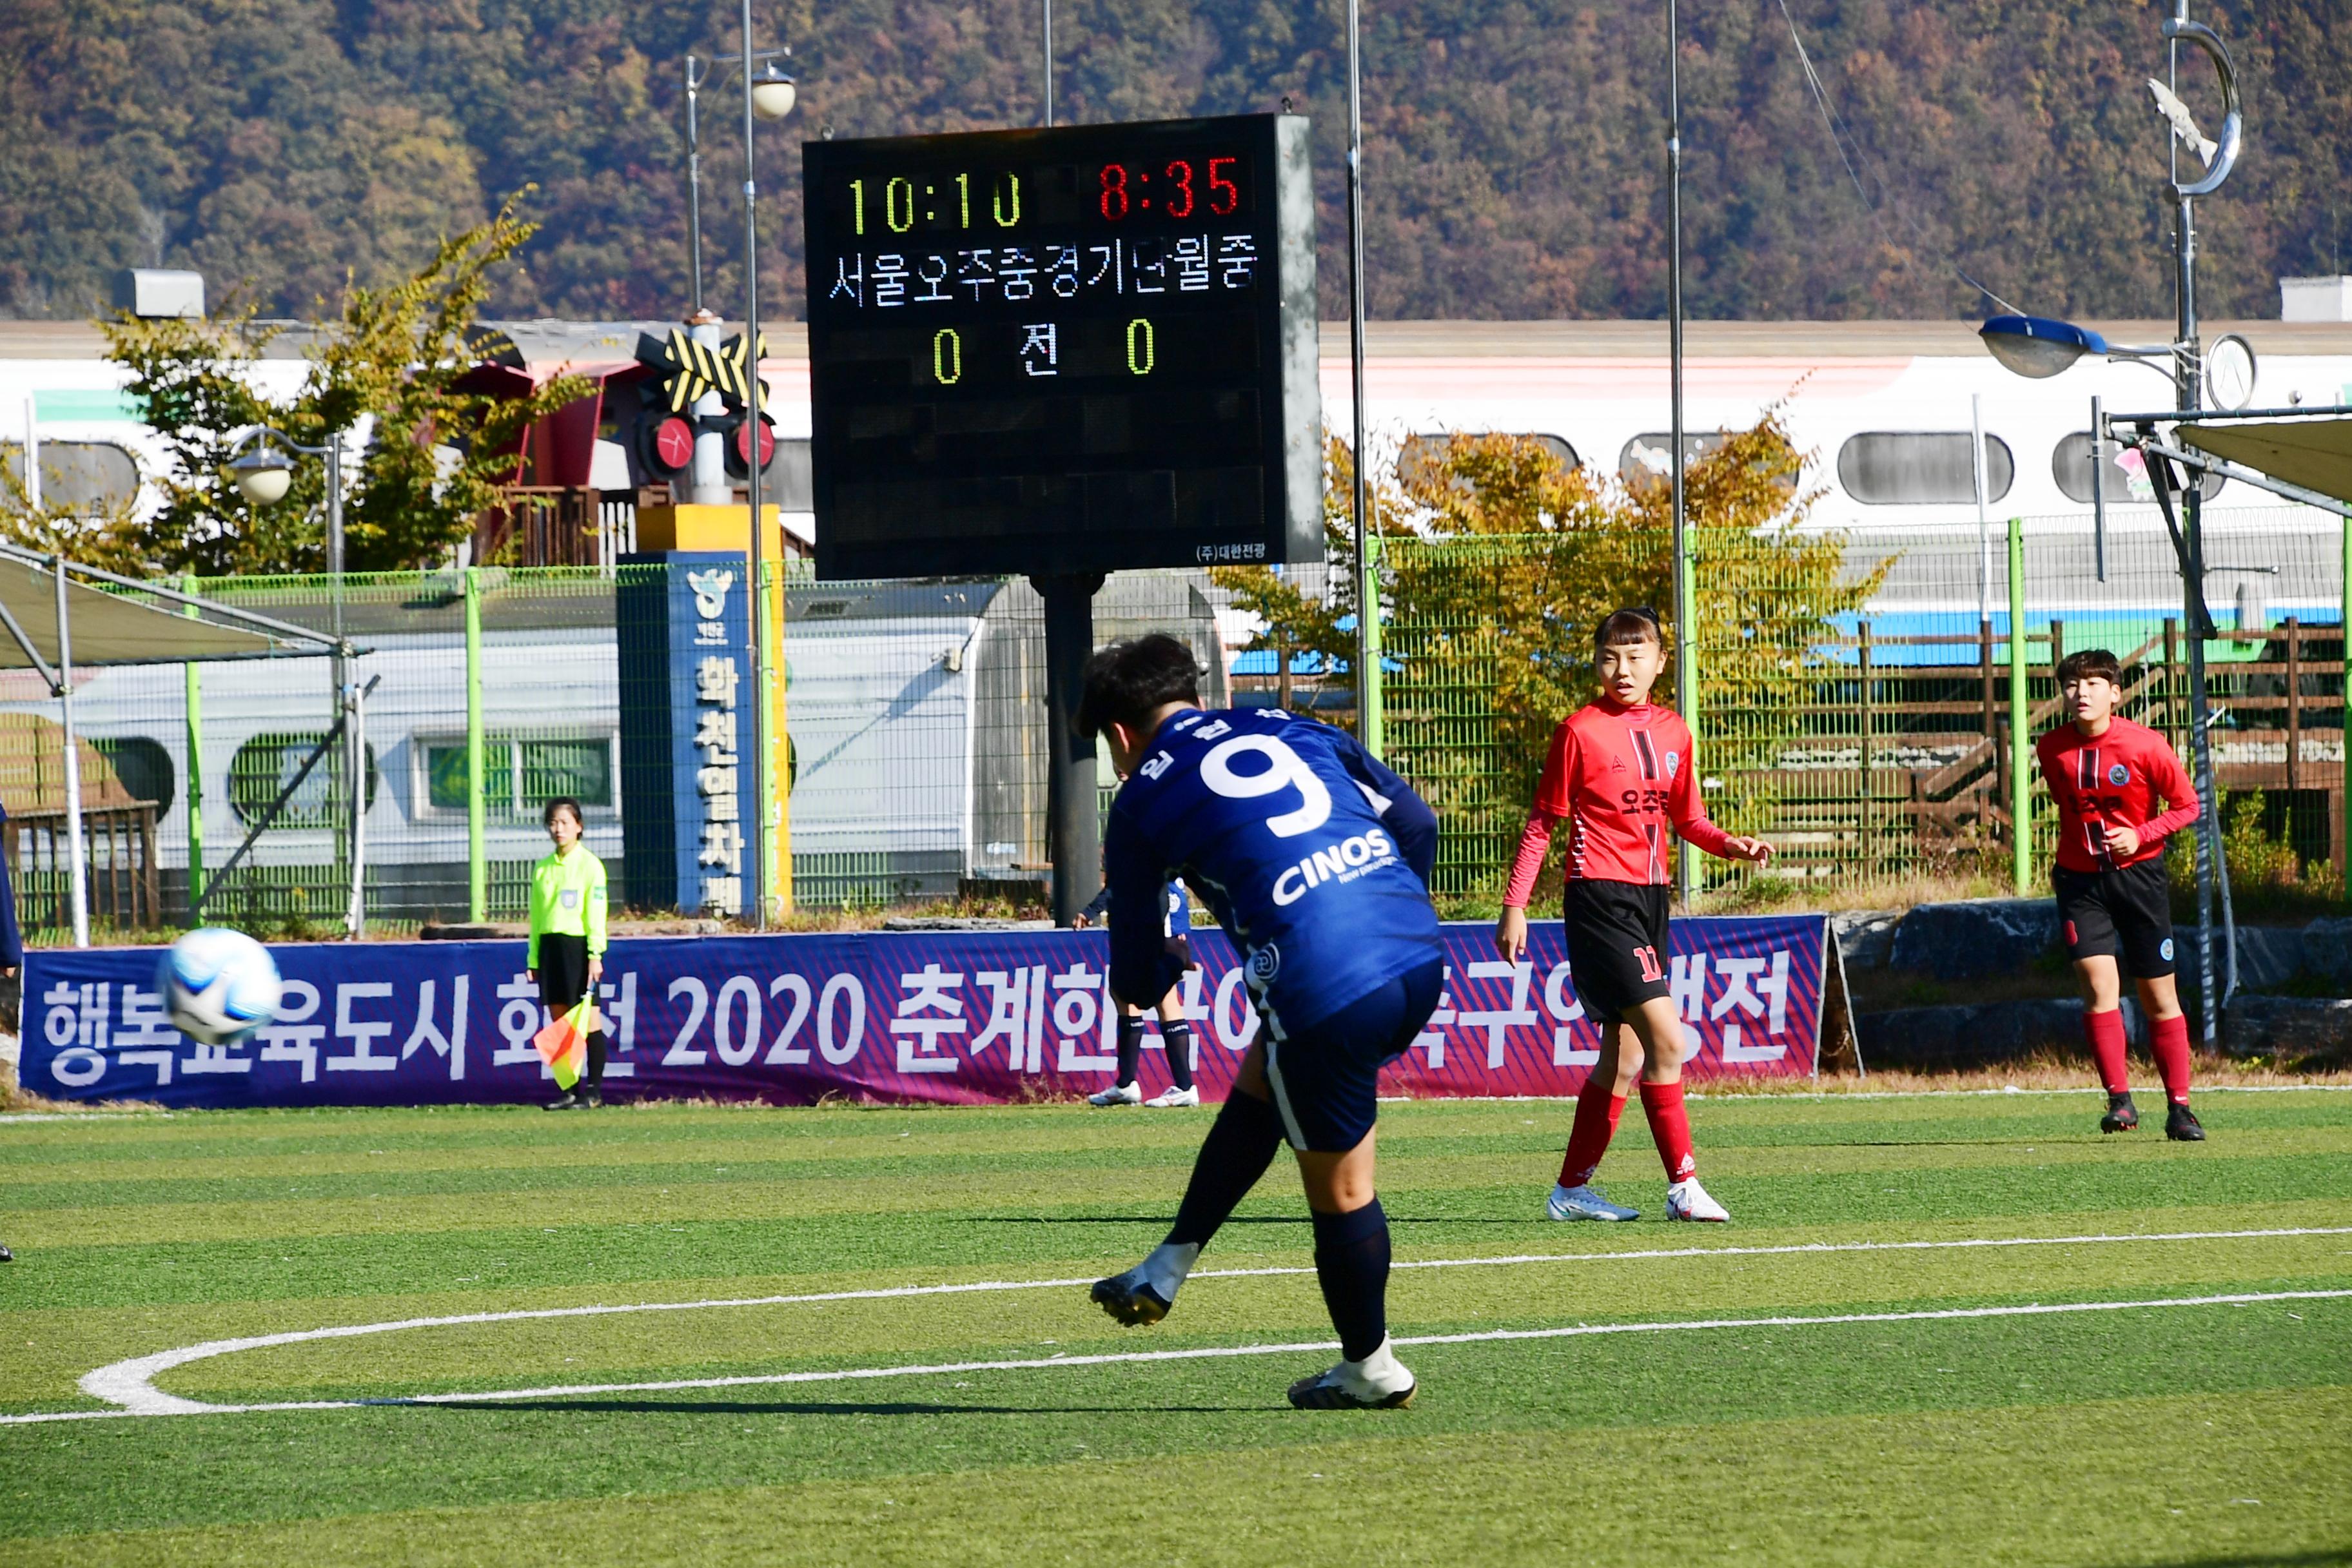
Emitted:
<point x="263" y="475"/>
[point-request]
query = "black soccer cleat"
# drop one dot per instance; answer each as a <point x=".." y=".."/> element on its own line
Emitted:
<point x="2180" y="1125"/>
<point x="569" y="1100"/>
<point x="591" y="1098"/>
<point x="6" y="1255"/>
<point x="1131" y="1298"/>
<point x="1332" y="1391"/>
<point x="2122" y="1115"/>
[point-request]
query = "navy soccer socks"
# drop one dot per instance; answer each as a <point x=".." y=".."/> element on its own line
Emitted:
<point x="1130" y="1046"/>
<point x="1351" y="1261"/>
<point x="1238" y="1149"/>
<point x="1178" y="1039"/>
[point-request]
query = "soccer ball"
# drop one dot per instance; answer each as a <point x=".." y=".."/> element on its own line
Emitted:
<point x="220" y="985"/>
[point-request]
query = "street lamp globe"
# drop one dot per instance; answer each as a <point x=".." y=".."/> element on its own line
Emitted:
<point x="262" y="475"/>
<point x="773" y="94"/>
<point x="2038" y="347"/>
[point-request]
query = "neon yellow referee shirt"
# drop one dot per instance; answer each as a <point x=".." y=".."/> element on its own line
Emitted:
<point x="567" y="899"/>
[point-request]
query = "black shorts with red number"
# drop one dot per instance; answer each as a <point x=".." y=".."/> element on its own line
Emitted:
<point x="2124" y="914"/>
<point x="1616" y="945"/>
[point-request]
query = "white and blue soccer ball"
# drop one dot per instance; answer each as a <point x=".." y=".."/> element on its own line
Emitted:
<point x="219" y="985"/>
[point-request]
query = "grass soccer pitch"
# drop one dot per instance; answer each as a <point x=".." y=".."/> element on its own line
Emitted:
<point x="1943" y="1329"/>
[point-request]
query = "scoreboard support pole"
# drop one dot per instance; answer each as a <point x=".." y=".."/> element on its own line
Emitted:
<point x="1074" y="833"/>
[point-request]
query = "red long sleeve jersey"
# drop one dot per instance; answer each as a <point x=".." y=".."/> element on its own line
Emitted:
<point x="1624" y="779"/>
<point x="2113" y="780"/>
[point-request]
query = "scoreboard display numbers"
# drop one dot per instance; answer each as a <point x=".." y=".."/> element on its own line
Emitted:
<point x="1089" y="348"/>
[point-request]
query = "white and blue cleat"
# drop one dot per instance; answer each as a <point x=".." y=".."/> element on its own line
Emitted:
<point x="1583" y="1202"/>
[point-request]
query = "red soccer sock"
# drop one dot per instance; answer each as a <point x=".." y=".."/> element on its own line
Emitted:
<point x="1597" y="1110"/>
<point x="2104" y="1031"/>
<point x="1663" y="1104"/>
<point x="2169" y="1040"/>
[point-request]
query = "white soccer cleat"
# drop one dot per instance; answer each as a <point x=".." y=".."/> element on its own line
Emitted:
<point x="1583" y="1202"/>
<point x="1688" y="1200"/>
<point x="1117" y="1094"/>
<point x="1174" y="1099"/>
<point x="1379" y="1382"/>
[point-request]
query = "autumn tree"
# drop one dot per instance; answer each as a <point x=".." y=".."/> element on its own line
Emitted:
<point x="1498" y="561"/>
<point x="424" y="454"/>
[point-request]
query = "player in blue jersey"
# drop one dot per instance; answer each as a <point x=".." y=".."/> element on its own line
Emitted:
<point x="1315" y="860"/>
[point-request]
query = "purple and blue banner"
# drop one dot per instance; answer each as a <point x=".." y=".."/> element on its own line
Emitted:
<point x="948" y="1018"/>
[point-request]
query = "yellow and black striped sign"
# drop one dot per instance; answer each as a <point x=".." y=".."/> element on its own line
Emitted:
<point x="690" y="369"/>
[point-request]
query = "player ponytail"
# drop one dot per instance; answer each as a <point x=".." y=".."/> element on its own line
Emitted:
<point x="1128" y="681"/>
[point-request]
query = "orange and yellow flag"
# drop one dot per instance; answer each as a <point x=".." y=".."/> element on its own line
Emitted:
<point x="564" y="1043"/>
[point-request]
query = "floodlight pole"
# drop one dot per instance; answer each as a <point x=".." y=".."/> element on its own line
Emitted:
<point x="1369" y="719"/>
<point x="758" y="847"/>
<point x="2188" y="368"/>
<point x="1685" y="607"/>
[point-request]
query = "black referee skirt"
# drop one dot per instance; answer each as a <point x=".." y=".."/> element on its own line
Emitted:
<point x="563" y="970"/>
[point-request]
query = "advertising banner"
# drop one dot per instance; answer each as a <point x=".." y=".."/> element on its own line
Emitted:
<point x="955" y="1018"/>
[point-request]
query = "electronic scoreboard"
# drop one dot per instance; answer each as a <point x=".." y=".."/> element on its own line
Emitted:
<point x="1075" y="350"/>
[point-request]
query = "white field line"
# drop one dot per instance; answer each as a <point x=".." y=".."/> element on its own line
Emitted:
<point x="2088" y="1089"/>
<point x="131" y="1384"/>
<point x="863" y="1374"/>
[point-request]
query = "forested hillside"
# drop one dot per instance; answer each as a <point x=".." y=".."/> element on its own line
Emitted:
<point x="1513" y="150"/>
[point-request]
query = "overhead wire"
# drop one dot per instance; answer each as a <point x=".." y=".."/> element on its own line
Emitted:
<point x="1840" y="134"/>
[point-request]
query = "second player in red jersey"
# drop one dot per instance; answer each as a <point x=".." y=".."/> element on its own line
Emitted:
<point x="1621" y="772"/>
<point x="2109" y="776"/>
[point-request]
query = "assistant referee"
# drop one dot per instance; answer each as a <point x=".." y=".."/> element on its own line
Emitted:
<point x="567" y="937"/>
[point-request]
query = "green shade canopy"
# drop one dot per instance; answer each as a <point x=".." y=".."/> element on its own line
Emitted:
<point x="123" y="625"/>
<point x="2315" y="454"/>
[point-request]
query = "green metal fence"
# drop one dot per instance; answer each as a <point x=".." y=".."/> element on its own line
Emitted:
<point x="1857" y="703"/>
<point x="1867" y="717"/>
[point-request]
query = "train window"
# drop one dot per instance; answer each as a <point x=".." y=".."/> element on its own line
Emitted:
<point x="445" y="775"/>
<point x="2126" y="480"/>
<point x="580" y="768"/>
<point x="266" y="764"/>
<point x="142" y="765"/>
<point x="519" y="775"/>
<point x="1921" y="467"/>
<point x="1421" y="456"/>
<point x="81" y="475"/>
<point x="1651" y="455"/>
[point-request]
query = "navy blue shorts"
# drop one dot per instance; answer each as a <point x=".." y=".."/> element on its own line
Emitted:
<point x="1326" y="1077"/>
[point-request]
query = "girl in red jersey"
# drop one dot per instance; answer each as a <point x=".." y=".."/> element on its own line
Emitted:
<point x="2107" y="775"/>
<point x="1621" y="772"/>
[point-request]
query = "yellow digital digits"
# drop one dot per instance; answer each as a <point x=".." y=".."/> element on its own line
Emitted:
<point x="1142" y="352"/>
<point x="946" y="357"/>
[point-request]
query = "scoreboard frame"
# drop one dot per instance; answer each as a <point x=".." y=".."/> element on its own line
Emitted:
<point x="1063" y="350"/>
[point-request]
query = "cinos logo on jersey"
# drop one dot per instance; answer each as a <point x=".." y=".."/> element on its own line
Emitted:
<point x="1341" y="862"/>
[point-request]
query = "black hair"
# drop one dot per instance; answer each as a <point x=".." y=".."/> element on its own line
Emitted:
<point x="2091" y="661"/>
<point x="562" y="803"/>
<point x="1636" y="623"/>
<point x="1126" y="681"/>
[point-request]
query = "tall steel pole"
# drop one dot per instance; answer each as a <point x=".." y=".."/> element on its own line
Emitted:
<point x="759" y="844"/>
<point x="1685" y="607"/>
<point x="77" y="872"/>
<point x="2189" y="389"/>
<point x="1370" y="723"/>
<point x="1049" y="64"/>
<point x="694" y="183"/>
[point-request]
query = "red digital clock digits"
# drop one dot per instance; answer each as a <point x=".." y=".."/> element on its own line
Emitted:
<point x="1120" y="191"/>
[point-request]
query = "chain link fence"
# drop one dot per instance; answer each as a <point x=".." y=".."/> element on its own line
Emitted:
<point x="916" y="724"/>
<point x="1858" y="712"/>
<point x="1864" y="722"/>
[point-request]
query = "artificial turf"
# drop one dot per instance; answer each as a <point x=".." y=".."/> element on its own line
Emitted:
<point x="2211" y="1433"/>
